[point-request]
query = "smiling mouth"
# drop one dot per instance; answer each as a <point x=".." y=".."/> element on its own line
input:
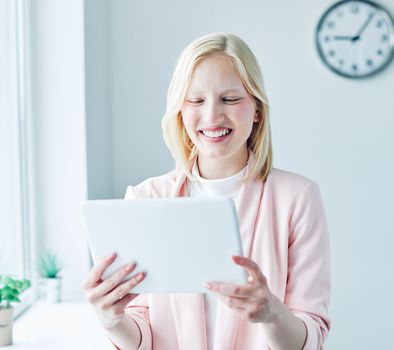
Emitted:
<point x="216" y="133"/>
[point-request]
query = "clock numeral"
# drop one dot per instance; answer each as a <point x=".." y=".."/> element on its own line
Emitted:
<point x="331" y="53"/>
<point x="379" y="52"/>
<point x="341" y="62"/>
<point x="385" y="37"/>
<point x="326" y="38"/>
<point x="340" y="14"/>
<point x="354" y="9"/>
<point x="354" y="67"/>
<point x="330" y="24"/>
<point x="379" y="23"/>
<point x="369" y="62"/>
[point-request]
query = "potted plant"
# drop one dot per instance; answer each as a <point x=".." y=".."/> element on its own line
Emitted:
<point x="48" y="266"/>
<point x="10" y="289"/>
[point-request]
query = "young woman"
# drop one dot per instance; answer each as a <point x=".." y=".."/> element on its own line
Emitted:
<point x="218" y="130"/>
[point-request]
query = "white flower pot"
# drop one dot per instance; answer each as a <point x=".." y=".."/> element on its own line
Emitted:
<point x="53" y="289"/>
<point x="6" y="316"/>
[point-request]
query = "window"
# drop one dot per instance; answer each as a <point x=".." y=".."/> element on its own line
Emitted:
<point x="15" y="247"/>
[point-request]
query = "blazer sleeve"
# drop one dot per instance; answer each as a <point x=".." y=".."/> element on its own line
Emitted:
<point x="308" y="281"/>
<point x="138" y="308"/>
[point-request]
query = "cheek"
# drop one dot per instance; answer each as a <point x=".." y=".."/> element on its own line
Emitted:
<point x="245" y="116"/>
<point x="189" y="118"/>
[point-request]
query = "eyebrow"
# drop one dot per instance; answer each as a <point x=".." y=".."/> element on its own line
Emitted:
<point x="237" y="90"/>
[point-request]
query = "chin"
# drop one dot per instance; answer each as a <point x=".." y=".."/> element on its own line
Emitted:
<point x="215" y="154"/>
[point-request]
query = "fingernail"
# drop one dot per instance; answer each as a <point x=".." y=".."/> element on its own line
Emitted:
<point x="140" y="276"/>
<point x="129" y="267"/>
<point x="208" y="285"/>
<point x="111" y="256"/>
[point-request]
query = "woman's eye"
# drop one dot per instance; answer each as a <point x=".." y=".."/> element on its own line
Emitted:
<point x="227" y="100"/>
<point x="195" y="101"/>
<point x="231" y="100"/>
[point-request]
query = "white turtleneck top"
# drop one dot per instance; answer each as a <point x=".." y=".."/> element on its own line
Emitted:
<point x="227" y="187"/>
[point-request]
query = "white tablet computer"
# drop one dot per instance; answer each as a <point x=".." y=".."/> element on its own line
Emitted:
<point x="180" y="242"/>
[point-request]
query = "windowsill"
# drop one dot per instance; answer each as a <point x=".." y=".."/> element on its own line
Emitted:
<point x="70" y="324"/>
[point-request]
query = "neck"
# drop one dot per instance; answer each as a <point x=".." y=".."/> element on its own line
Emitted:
<point x="211" y="168"/>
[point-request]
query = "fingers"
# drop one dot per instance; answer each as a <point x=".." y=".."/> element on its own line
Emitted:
<point x="111" y="282"/>
<point x="110" y="297"/>
<point x="249" y="291"/>
<point x="252" y="268"/>
<point x="120" y="291"/>
<point x="235" y="303"/>
<point x="97" y="271"/>
<point x="243" y="292"/>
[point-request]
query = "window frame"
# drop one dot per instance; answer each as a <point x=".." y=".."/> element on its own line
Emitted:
<point x="21" y="78"/>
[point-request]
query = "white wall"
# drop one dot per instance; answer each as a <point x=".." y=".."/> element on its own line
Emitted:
<point x="336" y="131"/>
<point x="58" y="102"/>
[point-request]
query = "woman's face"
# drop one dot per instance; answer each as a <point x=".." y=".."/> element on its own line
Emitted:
<point x="218" y="112"/>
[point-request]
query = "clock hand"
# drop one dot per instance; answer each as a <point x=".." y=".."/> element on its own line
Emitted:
<point x="365" y="24"/>
<point x="342" y="37"/>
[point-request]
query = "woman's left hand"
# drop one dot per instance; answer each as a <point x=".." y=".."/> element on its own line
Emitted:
<point x="253" y="301"/>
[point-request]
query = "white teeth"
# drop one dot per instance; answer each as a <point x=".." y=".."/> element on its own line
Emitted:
<point x="216" y="133"/>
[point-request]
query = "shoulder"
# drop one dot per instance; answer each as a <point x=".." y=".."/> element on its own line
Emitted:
<point x="290" y="180"/>
<point x="157" y="186"/>
<point x="290" y="186"/>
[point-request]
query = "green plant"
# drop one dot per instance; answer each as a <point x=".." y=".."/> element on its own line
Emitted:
<point x="10" y="289"/>
<point x="48" y="265"/>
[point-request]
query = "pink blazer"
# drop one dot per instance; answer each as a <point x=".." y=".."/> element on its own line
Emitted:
<point x="284" y="229"/>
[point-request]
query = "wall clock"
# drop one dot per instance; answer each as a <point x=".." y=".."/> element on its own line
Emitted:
<point x="355" y="38"/>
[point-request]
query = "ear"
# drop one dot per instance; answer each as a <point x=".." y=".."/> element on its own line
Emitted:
<point x="256" y="118"/>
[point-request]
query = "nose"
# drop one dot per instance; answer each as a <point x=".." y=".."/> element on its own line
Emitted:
<point x="213" y="113"/>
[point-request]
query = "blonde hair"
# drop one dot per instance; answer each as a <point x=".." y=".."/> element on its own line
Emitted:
<point x="177" y="140"/>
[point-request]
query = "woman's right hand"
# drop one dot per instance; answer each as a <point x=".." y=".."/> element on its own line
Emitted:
<point x="110" y="297"/>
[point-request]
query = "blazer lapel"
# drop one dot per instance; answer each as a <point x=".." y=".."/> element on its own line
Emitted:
<point x="180" y="187"/>
<point x="248" y="209"/>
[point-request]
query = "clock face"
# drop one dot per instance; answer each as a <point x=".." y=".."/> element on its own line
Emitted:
<point x="355" y="38"/>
